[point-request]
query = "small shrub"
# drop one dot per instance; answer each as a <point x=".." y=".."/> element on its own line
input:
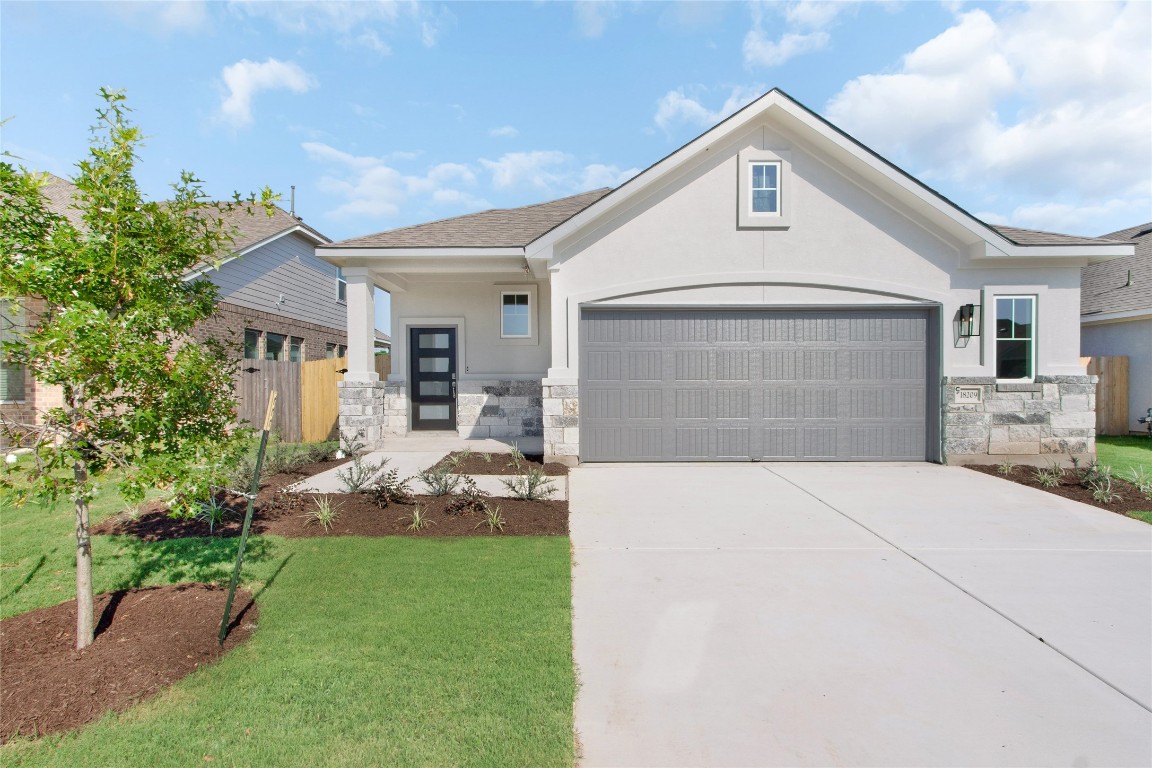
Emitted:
<point x="534" y="485"/>
<point x="212" y="512"/>
<point x="419" y="519"/>
<point x="1051" y="475"/>
<point x="516" y="460"/>
<point x="487" y="458"/>
<point x="1005" y="467"/>
<point x="360" y="475"/>
<point x="317" y="452"/>
<point x="278" y="458"/>
<point x="469" y="499"/>
<point x="1141" y="478"/>
<point x="238" y="477"/>
<point x="493" y="519"/>
<point x="439" y="481"/>
<point x="390" y="489"/>
<point x="324" y="513"/>
<point x="1101" y="486"/>
<point x="352" y="443"/>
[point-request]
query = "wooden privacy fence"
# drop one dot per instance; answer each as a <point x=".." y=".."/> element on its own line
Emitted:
<point x="255" y="381"/>
<point x="320" y="398"/>
<point x="1111" y="394"/>
<point x="308" y="408"/>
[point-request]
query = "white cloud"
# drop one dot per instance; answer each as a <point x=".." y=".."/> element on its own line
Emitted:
<point x="805" y="31"/>
<point x="676" y="108"/>
<point x="596" y="176"/>
<point x="592" y="16"/>
<point x="504" y="132"/>
<point x="164" y="17"/>
<point x="1045" y="101"/>
<point x="541" y="169"/>
<point x="371" y="187"/>
<point x="245" y="79"/>
<point x="365" y="23"/>
<point x="1096" y="218"/>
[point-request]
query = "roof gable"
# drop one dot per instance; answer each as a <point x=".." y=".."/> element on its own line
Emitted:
<point x="900" y="185"/>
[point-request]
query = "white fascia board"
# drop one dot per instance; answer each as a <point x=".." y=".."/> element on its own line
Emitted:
<point x="1117" y="317"/>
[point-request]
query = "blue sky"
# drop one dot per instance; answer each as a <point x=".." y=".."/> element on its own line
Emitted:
<point x="392" y="113"/>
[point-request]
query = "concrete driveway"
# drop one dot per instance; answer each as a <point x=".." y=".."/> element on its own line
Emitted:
<point x="849" y="614"/>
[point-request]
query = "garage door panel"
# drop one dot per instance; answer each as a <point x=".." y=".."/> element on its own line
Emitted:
<point x="755" y="384"/>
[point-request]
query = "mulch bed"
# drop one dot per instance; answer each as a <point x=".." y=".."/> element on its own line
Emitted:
<point x="146" y="639"/>
<point x="1130" y="499"/>
<point x="474" y="464"/>
<point x="282" y="513"/>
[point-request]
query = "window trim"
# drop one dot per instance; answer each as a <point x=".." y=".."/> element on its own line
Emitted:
<point x="527" y="294"/>
<point x="746" y="218"/>
<point x="1032" y="339"/>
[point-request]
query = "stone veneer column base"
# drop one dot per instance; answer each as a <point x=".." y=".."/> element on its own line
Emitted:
<point x="1028" y="423"/>
<point x="379" y="409"/>
<point x="499" y="408"/>
<point x="561" y="421"/>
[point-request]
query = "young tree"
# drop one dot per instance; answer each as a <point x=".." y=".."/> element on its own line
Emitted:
<point x="139" y="394"/>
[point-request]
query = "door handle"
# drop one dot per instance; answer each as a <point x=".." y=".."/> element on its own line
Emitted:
<point x="453" y="386"/>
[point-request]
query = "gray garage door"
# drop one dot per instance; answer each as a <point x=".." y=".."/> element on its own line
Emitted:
<point x="772" y="385"/>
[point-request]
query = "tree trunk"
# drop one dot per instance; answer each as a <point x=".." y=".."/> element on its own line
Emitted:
<point x="85" y="629"/>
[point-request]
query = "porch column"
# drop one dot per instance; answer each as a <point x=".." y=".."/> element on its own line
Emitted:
<point x="361" y="325"/>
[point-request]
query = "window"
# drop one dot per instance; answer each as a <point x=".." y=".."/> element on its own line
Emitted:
<point x="341" y="285"/>
<point x="765" y="187"/>
<point x="296" y="349"/>
<point x="334" y="350"/>
<point x="515" y="315"/>
<point x="1015" y="337"/>
<point x="274" y="346"/>
<point x="763" y="177"/>
<point x="251" y="344"/>
<point x="12" y="319"/>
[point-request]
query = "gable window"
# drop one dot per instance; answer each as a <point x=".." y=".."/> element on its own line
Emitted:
<point x="515" y="315"/>
<point x="341" y="285"/>
<point x="765" y="187"/>
<point x="251" y="344"/>
<point x="764" y="181"/>
<point x="1015" y="337"/>
<point x="11" y="375"/>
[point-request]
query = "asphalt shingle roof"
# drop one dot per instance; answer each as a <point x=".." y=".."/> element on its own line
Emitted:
<point x="1120" y="285"/>
<point x="497" y="228"/>
<point x="250" y="228"/>
<point x="1036" y="237"/>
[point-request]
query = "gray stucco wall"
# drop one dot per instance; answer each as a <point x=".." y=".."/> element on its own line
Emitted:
<point x="287" y="266"/>
<point x="1132" y="339"/>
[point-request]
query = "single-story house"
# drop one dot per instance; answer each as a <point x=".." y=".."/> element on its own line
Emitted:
<point x="1116" y="316"/>
<point x="278" y="301"/>
<point x="772" y="290"/>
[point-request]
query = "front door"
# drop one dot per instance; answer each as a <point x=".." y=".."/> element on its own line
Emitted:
<point x="433" y="354"/>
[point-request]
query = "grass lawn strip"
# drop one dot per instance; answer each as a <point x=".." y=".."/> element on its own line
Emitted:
<point x="371" y="651"/>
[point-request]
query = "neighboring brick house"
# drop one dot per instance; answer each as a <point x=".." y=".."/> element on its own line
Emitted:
<point x="278" y="301"/>
<point x="1116" y="316"/>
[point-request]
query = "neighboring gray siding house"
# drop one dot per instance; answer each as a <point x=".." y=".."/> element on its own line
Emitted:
<point x="771" y="291"/>
<point x="1116" y="316"/>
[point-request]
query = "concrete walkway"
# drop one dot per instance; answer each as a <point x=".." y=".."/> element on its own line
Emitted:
<point x="411" y="455"/>
<point x="882" y="615"/>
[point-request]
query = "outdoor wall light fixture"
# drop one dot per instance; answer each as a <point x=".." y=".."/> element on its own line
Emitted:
<point x="969" y="320"/>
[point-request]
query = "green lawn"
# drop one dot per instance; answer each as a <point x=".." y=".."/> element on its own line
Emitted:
<point x="1124" y="454"/>
<point x="387" y="651"/>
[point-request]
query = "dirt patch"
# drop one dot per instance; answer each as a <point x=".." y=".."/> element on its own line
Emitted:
<point x="474" y="464"/>
<point x="146" y="639"/>
<point x="1129" y="499"/>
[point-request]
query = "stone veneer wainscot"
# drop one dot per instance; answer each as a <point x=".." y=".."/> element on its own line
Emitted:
<point x="1030" y="423"/>
<point x="499" y="408"/>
